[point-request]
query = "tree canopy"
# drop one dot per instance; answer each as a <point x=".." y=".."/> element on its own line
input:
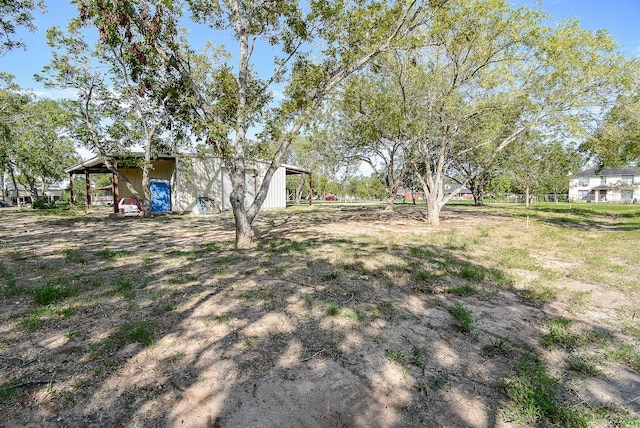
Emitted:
<point x="14" y="14"/>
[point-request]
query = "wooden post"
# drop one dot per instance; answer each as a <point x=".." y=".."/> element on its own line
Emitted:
<point x="310" y="190"/>
<point x="72" y="194"/>
<point x="116" y="195"/>
<point x="88" y="182"/>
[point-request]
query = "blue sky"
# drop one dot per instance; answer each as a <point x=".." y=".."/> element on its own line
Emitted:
<point x="619" y="17"/>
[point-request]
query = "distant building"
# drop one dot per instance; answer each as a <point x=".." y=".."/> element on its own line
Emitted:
<point x="462" y="193"/>
<point x="52" y="192"/>
<point x="606" y="185"/>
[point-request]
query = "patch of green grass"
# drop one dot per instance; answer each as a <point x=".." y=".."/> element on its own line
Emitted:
<point x="167" y="307"/>
<point x="438" y="382"/>
<point x="630" y="322"/>
<point x="333" y="309"/>
<point x="558" y="334"/>
<point x="578" y="301"/>
<point x="137" y="332"/>
<point x="423" y="275"/>
<point x="626" y="354"/>
<point x="124" y="287"/>
<point x="112" y="254"/>
<point x="532" y="393"/>
<point x="11" y="288"/>
<point x="461" y="290"/>
<point x="74" y="256"/>
<point x="353" y="314"/>
<point x="463" y="316"/>
<point x="330" y="276"/>
<point x="395" y="354"/>
<point x="515" y="257"/>
<point x="583" y="365"/>
<point x="617" y="418"/>
<point x="539" y="293"/>
<point x="498" y="346"/>
<point x="418" y="356"/>
<point x="345" y="265"/>
<point x="421" y="253"/>
<point x="285" y="246"/>
<point x="53" y="292"/>
<point x="8" y="389"/>
<point x="472" y="272"/>
<point x="79" y="335"/>
<point x="308" y="300"/>
<point x="32" y="322"/>
<point x="222" y="319"/>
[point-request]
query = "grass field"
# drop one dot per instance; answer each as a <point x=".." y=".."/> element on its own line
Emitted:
<point x="341" y="315"/>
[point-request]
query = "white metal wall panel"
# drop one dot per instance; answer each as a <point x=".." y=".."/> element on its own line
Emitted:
<point x="277" y="194"/>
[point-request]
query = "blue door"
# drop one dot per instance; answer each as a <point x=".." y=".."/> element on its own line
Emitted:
<point x="160" y="196"/>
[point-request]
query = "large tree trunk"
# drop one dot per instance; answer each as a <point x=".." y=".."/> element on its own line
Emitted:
<point x="240" y="214"/>
<point x="433" y="210"/>
<point x="391" y="197"/>
<point x="478" y="195"/>
<point x="243" y="228"/>
<point x="145" y="203"/>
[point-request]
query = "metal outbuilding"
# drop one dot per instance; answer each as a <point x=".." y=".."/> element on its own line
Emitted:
<point x="177" y="183"/>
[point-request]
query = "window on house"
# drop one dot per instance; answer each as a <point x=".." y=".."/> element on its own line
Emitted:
<point x="603" y="179"/>
<point x="583" y="181"/>
<point x="583" y="194"/>
<point x="627" y="195"/>
<point x="627" y="179"/>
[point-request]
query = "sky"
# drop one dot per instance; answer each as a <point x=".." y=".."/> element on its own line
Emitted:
<point x="619" y="17"/>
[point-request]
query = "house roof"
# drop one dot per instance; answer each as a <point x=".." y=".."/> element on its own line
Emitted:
<point x="451" y="187"/>
<point x="593" y="172"/>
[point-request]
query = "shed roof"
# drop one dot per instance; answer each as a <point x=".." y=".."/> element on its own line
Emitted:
<point x="97" y="164"/>
<point x="292" y="170"/>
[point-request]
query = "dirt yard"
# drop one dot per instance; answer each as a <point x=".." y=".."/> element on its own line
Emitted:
<point x="339" y="317"/>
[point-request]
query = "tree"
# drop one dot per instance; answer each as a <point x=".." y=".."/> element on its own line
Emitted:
<point x="616" y="141"/>
<point x="13" y="14"/>
<point x="487" y="67"/>
<point x="560" y="162"/>
<point x="317" y="47"/>
<point x="367" y="123"/>
<point x="42" y="144"/>
<point x="12" y="102"/>
<point x="121" y="104"/>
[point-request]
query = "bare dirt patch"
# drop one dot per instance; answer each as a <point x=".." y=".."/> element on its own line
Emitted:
<point x="338" y="317"/>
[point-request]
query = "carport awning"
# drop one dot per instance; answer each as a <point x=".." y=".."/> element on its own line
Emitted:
<point x="93" y="166"/>
<point x="97" y="164"/>
<point x="294" y="170"/>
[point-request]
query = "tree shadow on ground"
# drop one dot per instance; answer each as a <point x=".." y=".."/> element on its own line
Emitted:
<point x="173" y="327"/>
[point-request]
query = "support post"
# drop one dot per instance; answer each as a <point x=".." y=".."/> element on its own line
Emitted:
<point x="116" y="195"/>
<point x="310" y="189"/>
<point x="88" y="182"/>
<point x="72" y="193"/>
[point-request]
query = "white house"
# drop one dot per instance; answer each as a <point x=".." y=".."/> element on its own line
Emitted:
<point x="606" y="185"/>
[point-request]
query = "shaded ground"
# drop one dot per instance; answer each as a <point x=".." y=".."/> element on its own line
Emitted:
<point x="339" y="317"/>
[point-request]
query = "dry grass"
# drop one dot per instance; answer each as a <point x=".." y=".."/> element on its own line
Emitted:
<point x="161" y="322"/>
